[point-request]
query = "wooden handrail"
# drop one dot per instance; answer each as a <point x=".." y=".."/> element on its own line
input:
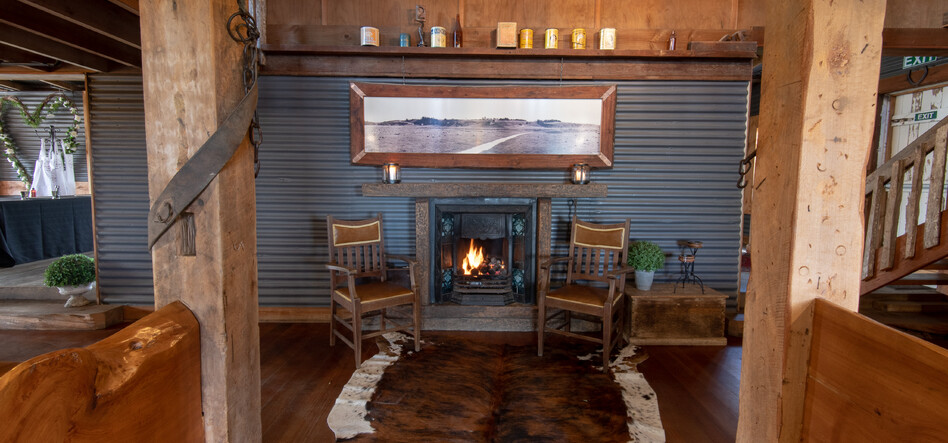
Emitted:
<point x="885" y="205"/>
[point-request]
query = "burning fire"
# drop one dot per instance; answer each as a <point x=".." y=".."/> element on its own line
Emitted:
<point x="474" y="259"/>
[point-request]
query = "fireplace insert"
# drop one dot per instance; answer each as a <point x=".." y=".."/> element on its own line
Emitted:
<point x="484" y="251"/>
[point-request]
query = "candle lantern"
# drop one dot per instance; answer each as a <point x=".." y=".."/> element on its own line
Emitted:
<point x="391" y="173"/>
<point x="580" y="174"/>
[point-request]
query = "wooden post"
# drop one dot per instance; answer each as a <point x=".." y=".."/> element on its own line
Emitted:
<point x="818" y="102"/>
<point x="193" y="79"/>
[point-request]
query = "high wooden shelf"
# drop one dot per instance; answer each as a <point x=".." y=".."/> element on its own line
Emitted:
<point x="452" y="190"/>
<point x="711" y="63"/>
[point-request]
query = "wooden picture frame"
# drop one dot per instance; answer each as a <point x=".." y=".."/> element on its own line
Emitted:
<point x="504" y="127"/>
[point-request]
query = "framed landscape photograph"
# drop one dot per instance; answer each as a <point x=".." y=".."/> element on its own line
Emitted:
<point x="511" y="127"/>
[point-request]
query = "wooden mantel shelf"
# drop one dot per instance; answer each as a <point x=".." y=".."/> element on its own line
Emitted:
<point x="709" y="63"/>
<point x="446" y="190"/>
<point x="742" y="50"/>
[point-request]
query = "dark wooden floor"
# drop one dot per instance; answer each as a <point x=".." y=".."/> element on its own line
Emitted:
<point x="301" y="376"/>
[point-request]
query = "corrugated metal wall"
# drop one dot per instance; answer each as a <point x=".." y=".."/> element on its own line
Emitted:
<point x="120" y="184"/>
<point x="676" y="154"/>
<point x="27" y="139"/>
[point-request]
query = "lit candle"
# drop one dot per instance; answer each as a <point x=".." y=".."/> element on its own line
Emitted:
<point x="580" y="174"/>
<point x="391" y="173"/>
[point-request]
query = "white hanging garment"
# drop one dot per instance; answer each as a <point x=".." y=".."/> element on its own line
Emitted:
<point x="43" y="172"/>
<point x="68" y="184"/>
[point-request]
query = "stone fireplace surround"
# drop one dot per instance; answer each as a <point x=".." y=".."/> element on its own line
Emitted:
<point x="516" y="317"/>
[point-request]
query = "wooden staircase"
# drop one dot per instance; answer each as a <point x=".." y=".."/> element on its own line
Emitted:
<point x="894" y="267"/>
<point x="888" y="257"/>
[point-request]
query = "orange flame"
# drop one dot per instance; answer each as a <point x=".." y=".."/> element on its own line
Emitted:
<point x="475" y="256"/>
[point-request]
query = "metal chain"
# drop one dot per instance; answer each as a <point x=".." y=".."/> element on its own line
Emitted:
<point x="246" y="32"/>
<point x="744" y="167"/>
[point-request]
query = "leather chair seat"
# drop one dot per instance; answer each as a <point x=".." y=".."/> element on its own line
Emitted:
<point x="374" y="291"/>
<point x="582" y="294"/>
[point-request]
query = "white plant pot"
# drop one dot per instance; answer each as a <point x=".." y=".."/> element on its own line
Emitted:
<point x="75" y="294"/>
<point x="643" y="280"/>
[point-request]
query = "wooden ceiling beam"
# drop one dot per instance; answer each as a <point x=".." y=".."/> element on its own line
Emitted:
<point x="65" y="86"/>
<point x="16" y="55"/>
<point x="915" y="41"/>
<point x="128" y="5"/>
<point x="101" y="16"/>
<point x="53" y="49"/>
<point x="38" y="22"/>
<point x="10" y="85"/>
<point x="895" y="41"/>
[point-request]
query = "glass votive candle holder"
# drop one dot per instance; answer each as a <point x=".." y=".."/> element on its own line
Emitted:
<point x="391" y="173"/>
<point x="579" y="174"/>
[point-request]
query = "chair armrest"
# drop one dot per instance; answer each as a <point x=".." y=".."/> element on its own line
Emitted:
<point x="345" y="269"/>
<point x="549" y="262"/>
<point x="404" y="258"/>
<point x="619" y="271"/>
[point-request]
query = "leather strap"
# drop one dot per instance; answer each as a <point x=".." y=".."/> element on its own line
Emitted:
<point x="191" y="180"/>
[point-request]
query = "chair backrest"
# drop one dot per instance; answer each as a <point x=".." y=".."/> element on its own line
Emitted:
<point x="596" y="250"/>
<point x="356" y="244"/>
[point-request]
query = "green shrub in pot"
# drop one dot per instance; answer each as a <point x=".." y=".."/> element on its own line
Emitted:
<point x="74" y="275"/>
<point x="645" y="257"/>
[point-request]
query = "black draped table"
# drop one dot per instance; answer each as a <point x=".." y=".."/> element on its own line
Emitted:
<point x="41" y="228"/>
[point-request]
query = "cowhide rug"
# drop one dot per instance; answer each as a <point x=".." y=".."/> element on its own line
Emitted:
<point x="464" y="391"/>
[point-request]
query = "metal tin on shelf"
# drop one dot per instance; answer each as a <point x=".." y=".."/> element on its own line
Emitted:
<point x="550" y="38"/>
<point x="579" y="38"/>
<point x="370" y="36"/>
<point x="439" y="37"/>
<point x="607" y="38"/>
<point x="526" y="38"/>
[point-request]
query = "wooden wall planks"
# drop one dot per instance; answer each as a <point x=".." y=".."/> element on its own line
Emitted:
<point x="646" y="25"/>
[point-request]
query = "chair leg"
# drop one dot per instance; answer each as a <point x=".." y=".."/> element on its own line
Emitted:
<point x="569" y="319"/>
<point x="606" y="339"/>
<point x="541" y="324"/>
<point x="332" y="321"/>
<point x="416" y="314"/>
<point x="382" y="320"/>
<point x="357" y="335"/>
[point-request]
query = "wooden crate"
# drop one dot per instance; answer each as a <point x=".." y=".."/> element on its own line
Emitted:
<point x="685" y="317"/>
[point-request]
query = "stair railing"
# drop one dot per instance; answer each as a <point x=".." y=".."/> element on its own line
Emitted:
<point x="884" y="206"/>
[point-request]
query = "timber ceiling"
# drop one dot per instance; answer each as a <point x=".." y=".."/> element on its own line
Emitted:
<point x="51" y="44"/>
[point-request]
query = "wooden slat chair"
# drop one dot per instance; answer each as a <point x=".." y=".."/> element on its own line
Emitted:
<point x="597" y="253"/>
<point x="358" y="277"/>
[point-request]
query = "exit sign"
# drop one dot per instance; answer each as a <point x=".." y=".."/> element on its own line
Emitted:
<point x="922" y="116"/>
<point x="908" y="62"/>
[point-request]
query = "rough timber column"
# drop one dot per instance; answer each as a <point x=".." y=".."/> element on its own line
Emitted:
<point x="820" y="75"/>
<point x="192" y="78"/>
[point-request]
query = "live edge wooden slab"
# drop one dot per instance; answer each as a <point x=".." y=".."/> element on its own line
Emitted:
<point x="141" y="384"/>
<point x="666" y="316"/>
<point x="446" y="190"/>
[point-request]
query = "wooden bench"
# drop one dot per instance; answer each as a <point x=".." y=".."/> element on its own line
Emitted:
<point x="660" y="316"/>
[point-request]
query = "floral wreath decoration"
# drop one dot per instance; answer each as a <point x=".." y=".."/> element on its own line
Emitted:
<point x="51" y="104"/>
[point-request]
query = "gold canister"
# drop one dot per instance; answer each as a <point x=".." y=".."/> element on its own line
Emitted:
<point x="550" y="37"/>
<point x="526" y="38"/>
<point x="439" y="37"/>
<point x="607" y="38"/>
<point x="579" y="38"/>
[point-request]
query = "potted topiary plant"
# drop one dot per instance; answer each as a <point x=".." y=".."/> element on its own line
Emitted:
<point x="645" y="257"/>
<point x="73" y="275"/>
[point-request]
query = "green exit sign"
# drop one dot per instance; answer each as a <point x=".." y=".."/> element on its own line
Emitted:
<point x="908" y="62"/>
<point x="922" y="116"/>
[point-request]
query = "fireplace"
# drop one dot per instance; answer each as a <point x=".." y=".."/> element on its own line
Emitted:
<point x="483" y="251"/>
